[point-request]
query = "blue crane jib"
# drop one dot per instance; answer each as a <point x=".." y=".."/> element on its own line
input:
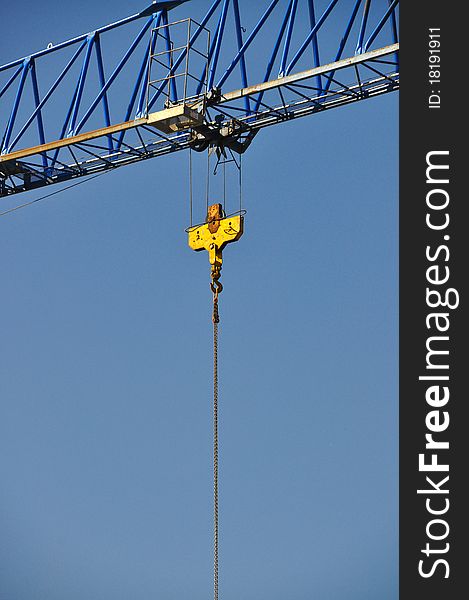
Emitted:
<point x="71" y="110"/>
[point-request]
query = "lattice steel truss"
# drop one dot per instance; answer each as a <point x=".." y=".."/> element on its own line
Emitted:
<point x="62" y="117"/>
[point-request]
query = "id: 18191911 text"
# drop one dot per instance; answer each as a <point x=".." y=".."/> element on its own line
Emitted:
<point x="434" y="67"/>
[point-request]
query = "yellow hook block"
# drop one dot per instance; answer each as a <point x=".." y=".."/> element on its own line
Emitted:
<point x="215" y="234"/>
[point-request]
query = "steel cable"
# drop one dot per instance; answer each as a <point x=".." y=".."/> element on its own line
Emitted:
<point x="215" y="319"/>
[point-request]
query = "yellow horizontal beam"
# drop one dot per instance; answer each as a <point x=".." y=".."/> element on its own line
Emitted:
<point x="161" y="120"/>
<point x="289" y="79"/>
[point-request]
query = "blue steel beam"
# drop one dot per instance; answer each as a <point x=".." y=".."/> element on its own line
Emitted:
<point x="14" y="112"/>
<point x="286" y="48"/>
<point x="211" y="51"/>
<point x="10" y="81"/>
<point x="102" y="81"/>
<point x="361" y="35"/>
<point x="314" y="41"/>
<point x="81" y="85"/>
<point x="40" y="124"/>
<point x="49" y="93"/>
<point x="312" y="34"/>
<point x="152" y="9"/>
<point x="167" y="38"/>
<point x="380" y="25"/>
<point x="247" y="43"/>
<point x="241" y="48"/>
<point x="115" y="73"/>
<point x="218" y="41"/>
<point x="150" y="48"/>
<point x="289" y="18"/>
<point x="395" y="36"/>
<point x="345" y="37"/>
<point x="143" y="98"/>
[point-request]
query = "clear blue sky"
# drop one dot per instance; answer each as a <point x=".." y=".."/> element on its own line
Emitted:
<point x="105" y="428"/>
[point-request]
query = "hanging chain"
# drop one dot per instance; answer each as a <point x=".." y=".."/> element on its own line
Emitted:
<point x="216" y="287"/>
<point x="215" y="450"/>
